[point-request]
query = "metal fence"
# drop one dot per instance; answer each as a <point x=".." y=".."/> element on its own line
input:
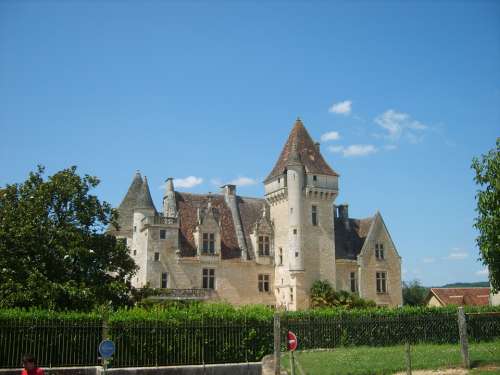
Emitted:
<point x="162" y="343"/>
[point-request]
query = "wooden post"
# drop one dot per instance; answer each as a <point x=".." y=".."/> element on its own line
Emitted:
<point x="277" y="344"/>
<point x="464" y="342"/>
<point x="408" y="359"/>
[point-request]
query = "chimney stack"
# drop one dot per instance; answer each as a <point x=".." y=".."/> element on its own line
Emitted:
<point x="317" y="146"/>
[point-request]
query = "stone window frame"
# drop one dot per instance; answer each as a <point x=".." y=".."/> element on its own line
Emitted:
<point x="264" y="283"/>
<point x="353" y="282"/>
<point x="264" y="245"/>
<point x="163" y="234"/>
<point x="314" y="215"/>
<point x="381" y="282"/>
<point x="208" y="243"/>
<point x="379" y="251"/>
<point x="164" y="280"/>
<point x="208" y="278"/>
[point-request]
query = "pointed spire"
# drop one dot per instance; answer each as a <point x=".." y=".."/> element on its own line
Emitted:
<point x="126" y="207"/>
<point x="294" y="158"/>
<point x="144" y="199"/>
<point x="300" y="147"/>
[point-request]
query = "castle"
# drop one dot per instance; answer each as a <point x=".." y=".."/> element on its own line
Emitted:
<point x="268" y="251"/>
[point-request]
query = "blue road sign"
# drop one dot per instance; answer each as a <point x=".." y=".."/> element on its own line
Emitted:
<point x="106" y="349"/>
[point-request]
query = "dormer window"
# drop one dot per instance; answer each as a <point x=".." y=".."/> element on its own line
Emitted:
<point x="379" y="251"/>
<point x="209" y="243"/>
<point x="315" y="178"/>
<point x="264" y="245"/>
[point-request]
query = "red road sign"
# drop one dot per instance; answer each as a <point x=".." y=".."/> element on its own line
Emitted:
<point x="292" y="341"/>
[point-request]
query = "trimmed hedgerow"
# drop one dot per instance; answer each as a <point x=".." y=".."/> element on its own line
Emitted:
<point x="216" y="333"/>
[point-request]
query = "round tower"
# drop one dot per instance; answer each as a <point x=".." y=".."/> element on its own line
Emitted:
<point x="295" y="183"/>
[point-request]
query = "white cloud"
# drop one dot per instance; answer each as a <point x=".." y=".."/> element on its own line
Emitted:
<point x="457" y="254"/>
<point x="243" y="181"/>
<point x="240" y="181"/>
<point x="429" y="260"/>
<point x="483" y="272"/>
<point x="336" y="149"/>
<point x="330" y="136"/>
<point x="187" y="182"/>
<point x="400" y="125"/>
<point x="390" y="147"/>
<point x="341" y="108"/>
<point x="354" y="150"/>
<point x="359" y="150"/>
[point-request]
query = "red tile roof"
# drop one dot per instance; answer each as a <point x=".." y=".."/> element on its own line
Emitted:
<point x="310" y="157"/>
<point x="461" y="296"/>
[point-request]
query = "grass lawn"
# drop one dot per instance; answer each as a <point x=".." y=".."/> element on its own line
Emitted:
<point x="388" y="360"/>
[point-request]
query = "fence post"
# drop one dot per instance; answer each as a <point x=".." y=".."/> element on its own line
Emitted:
<point x="464" y="342"/>
<point x="408" y="359"/>
<point x="277" y="343"/>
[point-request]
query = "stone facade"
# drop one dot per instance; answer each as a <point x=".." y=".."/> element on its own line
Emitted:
<point x="269" y="251"/>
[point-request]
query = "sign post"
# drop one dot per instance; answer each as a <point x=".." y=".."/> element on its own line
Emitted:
<point x="106" y="350"/>
<point x="292" y="344"/>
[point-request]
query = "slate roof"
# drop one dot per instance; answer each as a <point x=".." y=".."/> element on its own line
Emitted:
<point x="144" y="199"/>
<point x="310" y="157"/>
<point x="126" y="207"/>
<point x="188" y="205"/>
<point x="349" y="239"/>
<point x="460" y="296"/>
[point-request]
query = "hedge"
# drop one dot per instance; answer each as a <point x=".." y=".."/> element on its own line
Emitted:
<point x="215" y="333"/>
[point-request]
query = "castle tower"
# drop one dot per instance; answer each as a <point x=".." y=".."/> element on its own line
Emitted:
<point x="301" y="190"/>
<point x="144" y="207"/>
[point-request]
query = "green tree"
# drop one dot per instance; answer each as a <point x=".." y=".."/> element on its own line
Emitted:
<point x="414" y="293"/>
<point x="487" y="169"/>
<point x="54" y="251"/>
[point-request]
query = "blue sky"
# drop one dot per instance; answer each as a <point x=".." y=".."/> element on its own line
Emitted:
<point x="402" y="93"/>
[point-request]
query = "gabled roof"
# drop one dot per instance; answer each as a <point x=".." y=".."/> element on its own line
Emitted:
<point x="350" y="236"/>
<point x="126" y="207"/>
<point x="460" y="296"/>
<point x="309" y="155"/>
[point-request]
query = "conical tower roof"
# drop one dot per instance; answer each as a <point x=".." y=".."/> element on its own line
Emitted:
<point x="126" y="207"/>
<point x="308" y="154"/>
<point x="144" y="199"/>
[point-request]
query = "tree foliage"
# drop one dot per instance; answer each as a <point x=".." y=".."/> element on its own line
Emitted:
<point x="414" y="293"/>
<point x="487" y="176"/>
<point x="323" y="295"/>
<point x="54" y="252"/>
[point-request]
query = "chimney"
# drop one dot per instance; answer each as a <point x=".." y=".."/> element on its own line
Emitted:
<point x="317" y="146"/>
<point x="344" y="214"/>
<point x="169" y="186"/>
<point x="228" y="190"/>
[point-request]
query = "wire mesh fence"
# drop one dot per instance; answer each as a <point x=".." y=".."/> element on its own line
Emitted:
<point x="54" y="343"/>
<point x="156" y="342"/>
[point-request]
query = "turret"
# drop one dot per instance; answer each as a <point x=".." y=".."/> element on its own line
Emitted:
<point x="126" y="207"/>
<point x="144" y="206"/>
<point x="169" y="202"/>
<point x="295" y="183"/>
